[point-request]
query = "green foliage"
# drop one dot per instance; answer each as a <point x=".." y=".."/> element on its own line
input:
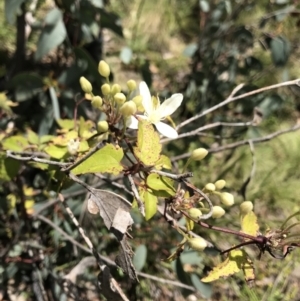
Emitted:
<point x="57" y="143"/>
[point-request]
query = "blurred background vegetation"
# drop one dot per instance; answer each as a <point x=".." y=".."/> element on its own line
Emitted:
<point x="200" y="48"/>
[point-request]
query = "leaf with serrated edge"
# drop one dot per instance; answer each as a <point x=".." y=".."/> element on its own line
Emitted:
<point x="107" y="159"/>
<point x="148" y="146"/>
<point x="233" y="264"/>
<point x="249" y="224"/>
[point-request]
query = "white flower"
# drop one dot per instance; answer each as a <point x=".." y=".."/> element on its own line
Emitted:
<point x="155" y="112"/>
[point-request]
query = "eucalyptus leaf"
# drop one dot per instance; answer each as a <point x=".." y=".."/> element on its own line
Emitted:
<point x="140" y="257"/>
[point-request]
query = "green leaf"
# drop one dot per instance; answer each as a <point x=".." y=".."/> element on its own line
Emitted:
<point x="126" y="55"/>
<point x="204" y="288"/>
<point x="67" y="124"/>
<point x="139" y="258"/>
<point x="280" y="50"/>
<point x="148" y="146"/>
<point x="107" y="159"/>
<point x="249" y="224"/>
<point x="150" y="204"/>
<point x="8" y="168"/>
<point x="12" y="10"/>
<point x="57" y="152"/>
<point x="15" y="143"/>
<point x="52" y="35"/>
<point x="162" y="185"/>
<point x="32" y="137"/>
<point x="163" y="162"/>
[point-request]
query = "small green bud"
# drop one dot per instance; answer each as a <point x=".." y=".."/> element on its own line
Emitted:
<point x="97" y="102"/>
<point x="102" y="126"/>
<point x="194" y="213"/>
<point x="131" y="84"/>
<point x="220" y="184"/>
<point x="73" y="146"/>
<point x="199" y="154"/>
<point x="105" y="89"/>
<point x="86" y="86"/>
<point x="226" y="198"/>
<point x="137" y="100"/>
<point x="115" y="89"/>
<point x="217" y="212"/>
<point x="104" y="69"/>
<point x="119" y="98"/>
<point x="128" y="108"/>
<point x="210" y="187"/>
<point x="246" y="207"/>
<point x="197" y="243"/>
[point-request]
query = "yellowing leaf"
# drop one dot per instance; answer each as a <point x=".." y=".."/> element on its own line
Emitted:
<point x="248" y="270"/>
<point x="86" y="128"/>
<point x="15" y="143"/>
<point x="150" y="205"/>
<point x="5" y="104"/>
<point x="249" y="224"/>
<point x="233" y="264"/>
<point x="107" y="159"/>
<point x="163" y="162"/>
<point x="148" y="146"/>
<point x="63" y="140"/>
<point x="163" y="186"/>
<point x="67" y="124"/>
<point x="56" y="152"/>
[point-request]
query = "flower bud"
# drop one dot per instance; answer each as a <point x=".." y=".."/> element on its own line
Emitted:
<point x="102" y="126"/>
<point x="119" y="98"/>
<point x="73" y="146"/>
<point x="128" y="108"/>
<point x="105" y="89"/>
<point x="97" y="102"/>
<point x="194" y="213"/>
<point x="246" y="207"/>
<point x="220" y="184"/>
<point x="197" y="243"/>
<point x="131" y="84"/>
<point x="86" y="86"/>
<point x="88" y="96"/>
<point x="226" y="198"/>
<point x="210" y="187"/>
<point x="138" y="100"/>
<point x="115" y="89"/>
<point x="217" y="212"/>
<point x="199" y="154"/>
<point x="104" y="69"/>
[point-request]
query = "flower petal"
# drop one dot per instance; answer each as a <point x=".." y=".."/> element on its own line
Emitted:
<point x="132" y="122"/>
<point x="147" y="101"/>
<point x="166" y="130"/>
<point x="170" y="105"/>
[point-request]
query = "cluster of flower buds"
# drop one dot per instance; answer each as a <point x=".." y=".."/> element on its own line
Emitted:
<point x="113" y="103"/>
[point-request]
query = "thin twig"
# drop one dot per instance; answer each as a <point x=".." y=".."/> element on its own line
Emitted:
<point x="86" y="156"/>
<point x="136" y="195"/>
<point x="207" y="127"/>
<point x="32" y="157"/>
<point x="108" y="260"/>
<point x="243" y="142"/>
<point x="179" y="177"/>
<point x="210" y="205"/>
<point x="231" y="98"/>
